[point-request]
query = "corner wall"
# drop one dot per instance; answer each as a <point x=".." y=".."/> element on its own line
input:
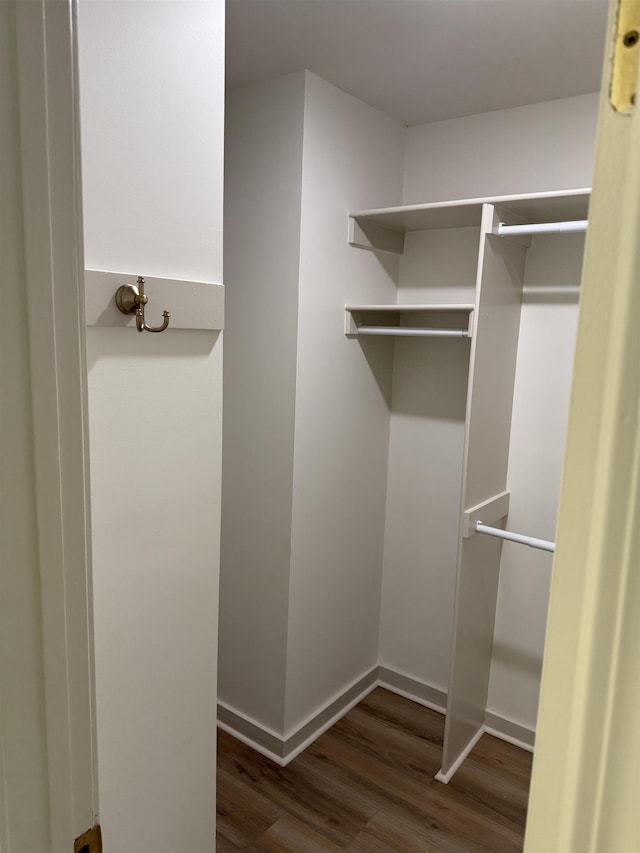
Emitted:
<point x="263" y="194"/>
<point x="306" y="410"/>
<point x="151" y="79"/>
<point x="353" y="159"/>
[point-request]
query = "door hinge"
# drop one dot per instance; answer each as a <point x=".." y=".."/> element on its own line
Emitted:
<point x="626" y="54"/>
<point x="89" y="842"/>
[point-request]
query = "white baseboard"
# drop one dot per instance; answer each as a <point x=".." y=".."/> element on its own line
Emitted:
<point x="253" y="742"/>
<point x="412" y="688"/>
<point x="284" y="748"/>
<point x="436" y="699"/>
<point x="510" y="731"/>
<point x="251" y="732"/>
<point x="446" y="777"/>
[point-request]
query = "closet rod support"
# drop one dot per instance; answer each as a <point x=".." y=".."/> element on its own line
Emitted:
<point x="531" y="541"/>
<point x="406" y="331"/>
<point x="543" y="228"/>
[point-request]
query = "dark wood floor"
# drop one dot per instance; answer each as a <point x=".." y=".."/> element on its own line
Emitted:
<point x="367" y="786"/>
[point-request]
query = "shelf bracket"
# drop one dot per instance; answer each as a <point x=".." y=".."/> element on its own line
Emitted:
<point x="489" y="511"/>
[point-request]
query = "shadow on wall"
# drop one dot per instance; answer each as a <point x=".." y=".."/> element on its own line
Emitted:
<point x="421" y="378"/>
<point x="379" y="355"/>
<point x="518" y="659"/>
<point x="430" y="378"/>
<point x="128" y="343"/>
<point x="551" y="295"/>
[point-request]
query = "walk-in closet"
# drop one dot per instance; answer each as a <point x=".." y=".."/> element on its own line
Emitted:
<point x="320" y="444"/>
<point x="401" y="313"/>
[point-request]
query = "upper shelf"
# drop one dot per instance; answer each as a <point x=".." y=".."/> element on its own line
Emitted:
<point x="384" y="228"/>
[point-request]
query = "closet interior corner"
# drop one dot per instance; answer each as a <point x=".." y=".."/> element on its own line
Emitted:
<point x="417" y="387"/>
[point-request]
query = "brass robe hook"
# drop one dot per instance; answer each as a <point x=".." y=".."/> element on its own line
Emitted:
<point x="131" y="299"/>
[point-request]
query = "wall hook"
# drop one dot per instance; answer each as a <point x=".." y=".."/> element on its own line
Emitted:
<point x="131" y="299"/>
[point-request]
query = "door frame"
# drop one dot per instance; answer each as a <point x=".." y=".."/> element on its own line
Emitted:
<point x="586" y="770"/>
<point x="46" y="118"/>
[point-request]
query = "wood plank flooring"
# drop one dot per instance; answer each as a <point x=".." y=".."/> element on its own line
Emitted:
<point x="367" y="786"/>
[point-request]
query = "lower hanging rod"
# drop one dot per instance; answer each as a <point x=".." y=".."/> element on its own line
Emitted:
<point x="544" y="227"/>
<point x="531" y="541"/>
<point x="413" y="332"/>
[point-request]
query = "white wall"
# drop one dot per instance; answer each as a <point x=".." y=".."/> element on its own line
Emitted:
<point x="528" y="149"/>
<point x="540" y="411"/>
<point x="546" y="146"/>
<point x="263" y="193"/>
<point x="425" y="463"/>
<point x="153" y="130"/>
<point x="353" y="159"/>
<point x="306" y="410"/>
<point x="152" y="78"/>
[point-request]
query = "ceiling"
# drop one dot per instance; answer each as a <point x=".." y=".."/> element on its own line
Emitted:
<point x="424" y="60"/>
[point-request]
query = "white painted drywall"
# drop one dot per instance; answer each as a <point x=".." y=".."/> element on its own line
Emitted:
<point x="152" y="77"/>
<point x="306" y="410"/>
<point x="152" y="130"/>
<point x="540" y="411"/>
<point x="425" y="462"/>
<point x="528" y="149"/>
<point x="353" y="159"/>
<point x="263" y="193"/>
<point x="545" y="146"/>
<point x="343" y="396"/>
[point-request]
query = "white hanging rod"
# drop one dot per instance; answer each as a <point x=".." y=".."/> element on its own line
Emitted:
<point x="544" y="227"/>
<point x="412" y="332"/>
<point x="531" y="541"/>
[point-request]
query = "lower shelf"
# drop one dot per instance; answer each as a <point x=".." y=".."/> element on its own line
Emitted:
<point x="426" y="321"/>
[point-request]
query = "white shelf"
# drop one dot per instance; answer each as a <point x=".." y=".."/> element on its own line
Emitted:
<point x="440" y="320"/>
<point x="406" y="309"/>
<point x="384" y="228"/>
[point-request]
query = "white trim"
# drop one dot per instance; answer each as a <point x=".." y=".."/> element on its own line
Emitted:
<point x="250" y="720"/>
<point x="251" y="732"/>
<point x="413" y="688"/>
<point x="329" y="723"/>
<point x="489" y="730"/>
<point x="509" y="730"/>
<point x="256" y="735"/>
<point x="446" y="777"/>
<point x="49" y="132"/>
<point x="247" y="741"/>
<point x="283" y="748"/>
<point x="369" y="676"/>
